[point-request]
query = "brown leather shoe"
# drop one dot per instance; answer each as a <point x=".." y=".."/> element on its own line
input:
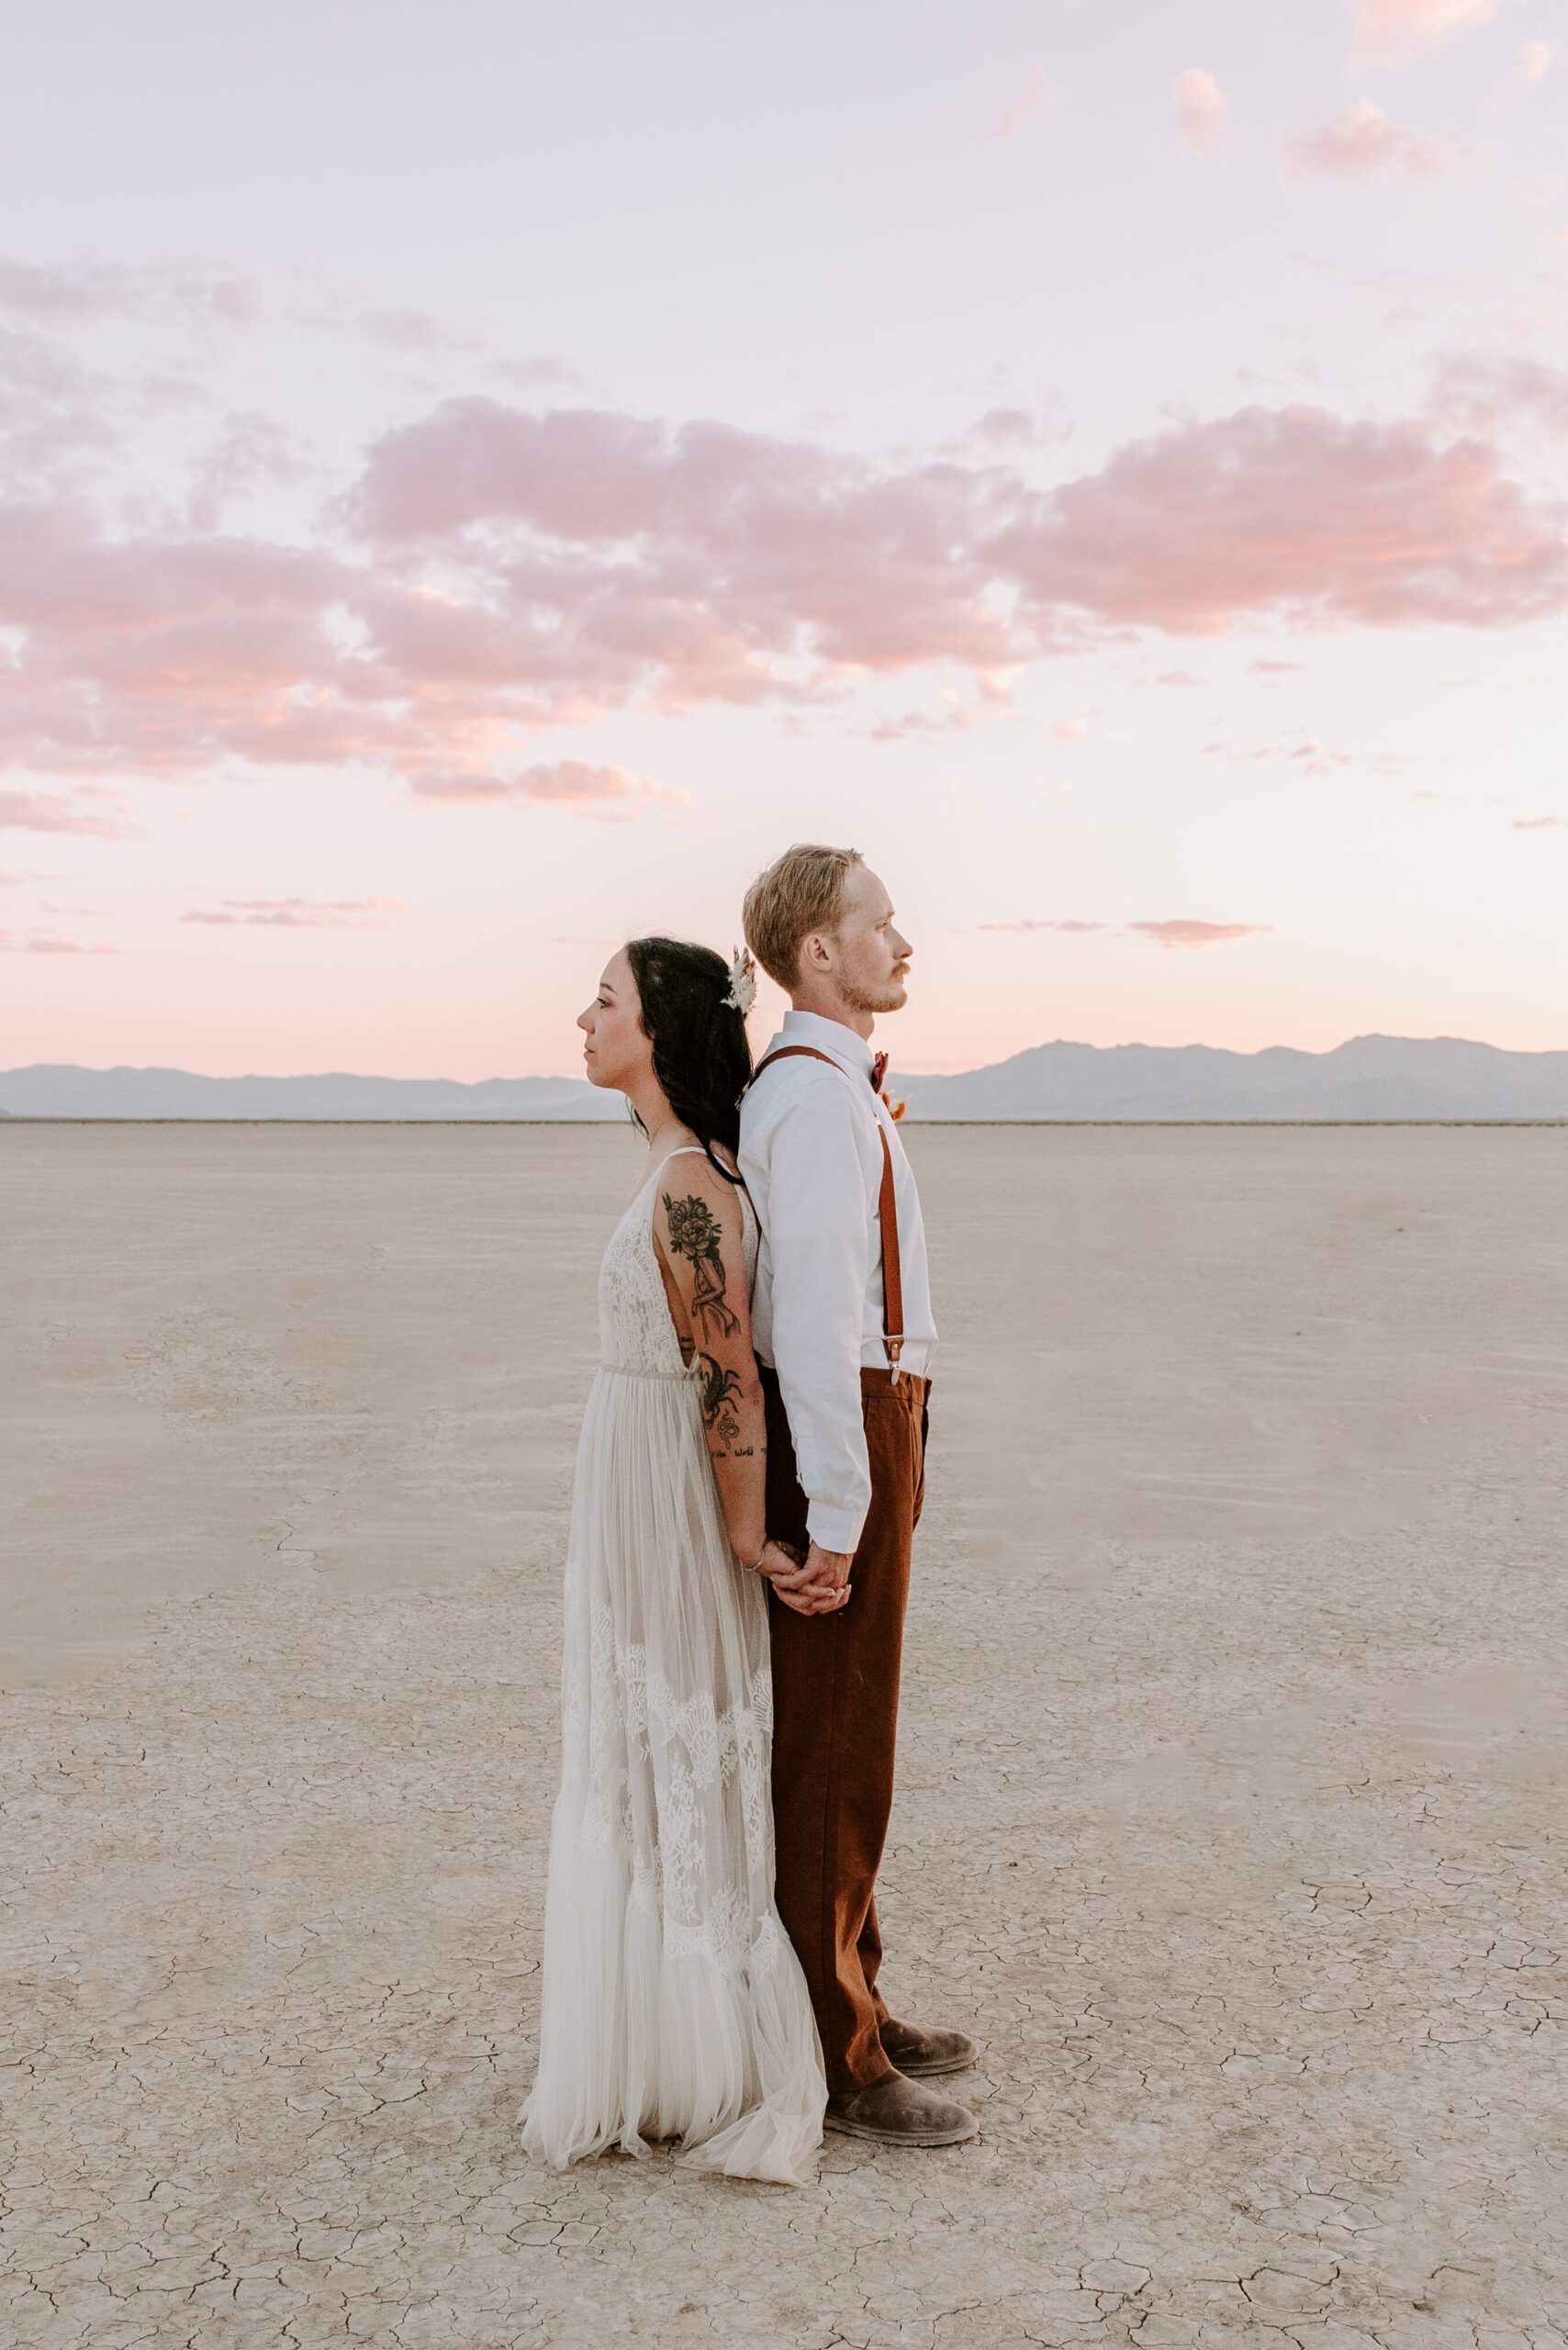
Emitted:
<point x="897" y="2112"/>
<point x="919" y="2053"/>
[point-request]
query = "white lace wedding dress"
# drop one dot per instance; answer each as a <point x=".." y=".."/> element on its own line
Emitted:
<point x="674" y="2004"/>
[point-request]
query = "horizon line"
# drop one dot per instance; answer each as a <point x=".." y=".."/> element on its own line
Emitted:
<point x="170" y="1068"/>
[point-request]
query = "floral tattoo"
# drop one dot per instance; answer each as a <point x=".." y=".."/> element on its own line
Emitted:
<point x="694" y="1232"/>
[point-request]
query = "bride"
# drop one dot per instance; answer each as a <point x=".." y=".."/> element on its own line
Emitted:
<point x="674" y="2004"/>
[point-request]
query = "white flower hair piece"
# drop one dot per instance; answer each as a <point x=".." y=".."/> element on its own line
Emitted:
<point x="743" y="981"/>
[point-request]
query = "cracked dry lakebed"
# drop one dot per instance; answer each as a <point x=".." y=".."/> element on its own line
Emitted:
<point x="1230" y="1814"/>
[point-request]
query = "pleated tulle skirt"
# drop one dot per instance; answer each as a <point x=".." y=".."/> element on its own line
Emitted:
<point x="674" y="2005"/>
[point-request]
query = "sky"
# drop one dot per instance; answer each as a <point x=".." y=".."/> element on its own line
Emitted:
<point x="479" y="480"/>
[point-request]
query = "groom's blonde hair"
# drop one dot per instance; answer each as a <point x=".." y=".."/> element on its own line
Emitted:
<point x="802" y="892"/>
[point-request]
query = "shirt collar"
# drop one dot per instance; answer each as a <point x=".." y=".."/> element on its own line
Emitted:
<point x="829" y="1037"/>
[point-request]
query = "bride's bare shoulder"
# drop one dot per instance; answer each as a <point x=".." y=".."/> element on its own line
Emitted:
<point x="693" y="1199"/>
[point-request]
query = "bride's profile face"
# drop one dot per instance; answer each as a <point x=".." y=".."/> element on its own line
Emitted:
<point x="615" y="1048"/>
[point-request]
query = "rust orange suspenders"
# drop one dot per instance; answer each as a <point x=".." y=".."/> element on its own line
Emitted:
<point x="887" y="1209"/>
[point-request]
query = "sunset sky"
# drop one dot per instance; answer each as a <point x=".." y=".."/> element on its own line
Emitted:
<point x="480" y="479"/>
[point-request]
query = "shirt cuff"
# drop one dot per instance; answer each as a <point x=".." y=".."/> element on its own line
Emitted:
<point x="834" y="1529"/>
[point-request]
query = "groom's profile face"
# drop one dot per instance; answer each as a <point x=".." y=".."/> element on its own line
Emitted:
<point x="870" y="953"/>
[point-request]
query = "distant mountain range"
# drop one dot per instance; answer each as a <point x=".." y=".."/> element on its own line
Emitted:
<point x="56" y="1089"/>
<point x="1369" y="1078"/>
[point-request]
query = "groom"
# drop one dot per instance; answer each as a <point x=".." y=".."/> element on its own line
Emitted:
<point x="842" y="1324"/>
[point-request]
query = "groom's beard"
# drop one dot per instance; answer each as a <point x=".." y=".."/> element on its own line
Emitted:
<point x="892" y="994"/>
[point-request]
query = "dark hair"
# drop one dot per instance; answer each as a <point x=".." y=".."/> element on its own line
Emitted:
<point x="700" y="1055"/>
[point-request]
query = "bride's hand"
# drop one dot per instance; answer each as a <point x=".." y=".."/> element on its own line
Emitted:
<point x="808" y="1594"/>
<point x="777" y="1558"/>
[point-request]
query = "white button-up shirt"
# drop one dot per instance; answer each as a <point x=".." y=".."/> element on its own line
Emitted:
<point x="812" y="1165"/>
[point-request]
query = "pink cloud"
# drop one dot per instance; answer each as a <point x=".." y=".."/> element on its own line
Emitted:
<point x="889" y="571"/>
<point x="72" y="291"/>
<point x="1396" y="32"/>
<point x="414" y="333"/>
<point x="911" y="724"/>
<point x="568" y="781"/>
<point x="56" y="429"/>
<point x="704" y="561"/>
<point x="1184" y="934"/>
<point x="1291" y="511"/>
<point x="1006" y="428"/>
<point x="1298" y="748"/>
<point x="29" y="364"/>
<point x="410" y="333"/>
<point x="1040" y="96"/>
<point x="1362" y="144"/>
<point x="412" y="330"/>
<point x="44" y="942"/>
<point x="497" y="570"/>
<point x="251" y="454"/>
<point x="1172" y="933"/>
<point x="63" y="292"/>
<point x="300" y="913"/>
<point x="32" y="811"/>
<point x="706" y="552"/>
<point x="1201" y="110"/>
<point x="1019" y="928"/>
<point x="1021" y="427"/>
<point x="1535" y="62"/>
<point x="1490" y="395"/>
<point x="547" y="369"/>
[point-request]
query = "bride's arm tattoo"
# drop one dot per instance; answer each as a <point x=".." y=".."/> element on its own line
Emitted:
<point x="694" y="1234"/>
<point x="694" y="1231"/>
<point x="721" y="1391"/>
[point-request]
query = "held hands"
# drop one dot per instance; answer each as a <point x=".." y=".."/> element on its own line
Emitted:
<point x="816" y="1585"/>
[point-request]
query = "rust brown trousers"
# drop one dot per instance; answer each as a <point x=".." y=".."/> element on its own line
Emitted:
<point x="836" y="1702"/>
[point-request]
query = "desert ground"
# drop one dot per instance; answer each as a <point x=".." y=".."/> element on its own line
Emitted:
<point x="1231" y="1812"/>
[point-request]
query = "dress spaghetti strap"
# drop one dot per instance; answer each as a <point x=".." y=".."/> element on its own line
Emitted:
<point x="695" y="1150"/>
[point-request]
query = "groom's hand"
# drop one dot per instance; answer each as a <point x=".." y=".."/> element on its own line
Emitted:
<point x="818" y="1587"/>
<point x="829" y="1568"/>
